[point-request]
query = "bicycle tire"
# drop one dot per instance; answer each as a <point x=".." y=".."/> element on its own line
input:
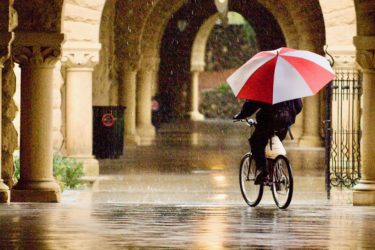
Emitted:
<point x="282" y="182"/>
<point x="251" y="193"/>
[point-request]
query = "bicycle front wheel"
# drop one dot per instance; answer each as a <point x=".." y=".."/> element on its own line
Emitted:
<point x="251" y="193"/>
<point x="282" y="182"/>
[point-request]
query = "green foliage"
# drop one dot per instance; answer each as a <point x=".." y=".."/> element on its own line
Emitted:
<point x="67" y="171"/>
<point x="219" y="102"/>
<point x="224" y="88"/>
<point x="250" y="34"/>
<point x="16" y="162"/>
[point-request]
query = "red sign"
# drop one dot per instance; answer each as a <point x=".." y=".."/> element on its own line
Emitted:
<point x="108" y="120"/>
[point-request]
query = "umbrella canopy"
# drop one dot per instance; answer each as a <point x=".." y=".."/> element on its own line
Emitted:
<point x="280" y="75"/>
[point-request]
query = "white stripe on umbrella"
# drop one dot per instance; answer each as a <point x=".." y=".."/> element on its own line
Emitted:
<point x="304" y="73"/>
<point x="287" y="83"/>
<point x="311" y="57"/>
<point x="241" y="75"/>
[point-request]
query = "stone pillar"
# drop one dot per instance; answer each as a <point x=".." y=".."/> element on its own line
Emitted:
<point x="194" y="113"/>
<point x="145" y="129"/>
<point x="8" y="22"/>
<point x="364" y="192"/>
<point x="311" y="122"/>
<point x="4" y="190"/>
<point x="127" y="98"/>
<point x="79" y="62"/>
<point x="37" y="54"/>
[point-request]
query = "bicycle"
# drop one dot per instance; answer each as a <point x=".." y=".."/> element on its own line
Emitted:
<point x="280" y="178"/>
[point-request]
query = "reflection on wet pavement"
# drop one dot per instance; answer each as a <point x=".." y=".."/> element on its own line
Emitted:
<point x="182" y="193"/>
<point x="119" y="226"/>
<point x="198" y="163"/>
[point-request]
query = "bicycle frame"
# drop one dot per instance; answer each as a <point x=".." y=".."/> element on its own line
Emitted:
<point x="280" y="176"/>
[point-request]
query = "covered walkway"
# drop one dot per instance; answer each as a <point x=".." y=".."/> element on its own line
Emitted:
<point x="182" y="193"/>
<point x="198" y="163"/>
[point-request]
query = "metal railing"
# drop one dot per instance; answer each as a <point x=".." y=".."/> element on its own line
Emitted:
<point x="342" y="129"/>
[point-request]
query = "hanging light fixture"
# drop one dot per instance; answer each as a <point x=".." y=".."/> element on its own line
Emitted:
<point x="222" y="8"/>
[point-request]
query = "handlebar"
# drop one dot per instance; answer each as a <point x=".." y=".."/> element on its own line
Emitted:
<point x="250" y="122"/>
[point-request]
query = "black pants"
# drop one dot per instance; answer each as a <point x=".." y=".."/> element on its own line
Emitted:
<point x="258" y="142"/>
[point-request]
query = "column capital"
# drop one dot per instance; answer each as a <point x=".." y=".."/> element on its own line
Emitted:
<point x="365" y="51"/>
<point x="131" y="65"/>
<point x="197" y="67"/>
<point x="80" y="55"/>
<point x="37" y="49"/>
<point x="344" y="56"/>
<point x="150" y="63"/>
<point x="36" y="55"/>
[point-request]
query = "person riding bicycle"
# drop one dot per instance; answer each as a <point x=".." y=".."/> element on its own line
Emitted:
<point x="271" y="120"/>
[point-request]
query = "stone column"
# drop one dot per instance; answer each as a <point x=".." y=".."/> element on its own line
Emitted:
<point x="311" y="122"/>
<point x="145" y="129"/>
<point x="4" y="190"/>
<point x="79" y="62"/>
<point x="8" y="23"/>
<point x="127" y="98"/>
<point x="194" y="113"/>
<point x="364" y="192"/>
<point x="37" y="54"/>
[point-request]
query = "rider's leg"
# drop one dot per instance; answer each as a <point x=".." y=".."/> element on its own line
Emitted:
<point x="258" y="143"/>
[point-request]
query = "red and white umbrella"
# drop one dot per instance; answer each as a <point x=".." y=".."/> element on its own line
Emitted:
<point x="280" y="75"/>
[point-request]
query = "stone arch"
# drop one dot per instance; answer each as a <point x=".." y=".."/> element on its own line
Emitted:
<point x="309" y="21"/>
<point x="155" y="25"/>
<point x="270" y="37"/>
<point x="199" y="45"/>
<point x="130" y="25"/>
<point x="365" y="12"/>
<point x="105" y="82"/>
<point x="38" y="15"/>
<point x="81" y="20"/>
<point x="286" y="22"/>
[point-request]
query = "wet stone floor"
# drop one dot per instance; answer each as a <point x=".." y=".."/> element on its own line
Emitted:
<point x="182" y="192"/>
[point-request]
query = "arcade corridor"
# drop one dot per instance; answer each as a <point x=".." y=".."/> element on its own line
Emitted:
<point x="183" y="192"/>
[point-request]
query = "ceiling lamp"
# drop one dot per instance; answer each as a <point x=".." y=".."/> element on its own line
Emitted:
<point x="222" y="8"/>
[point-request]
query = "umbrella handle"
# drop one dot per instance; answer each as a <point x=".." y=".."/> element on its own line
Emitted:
<point x="331" y="60"/>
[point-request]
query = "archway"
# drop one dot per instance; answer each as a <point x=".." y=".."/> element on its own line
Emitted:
<point x="174" y="78"/>
<point x="216" y="52"/>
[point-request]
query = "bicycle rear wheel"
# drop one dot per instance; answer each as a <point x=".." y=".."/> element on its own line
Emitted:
<point x="282" y="182"/>
<point x="251" y="193"/>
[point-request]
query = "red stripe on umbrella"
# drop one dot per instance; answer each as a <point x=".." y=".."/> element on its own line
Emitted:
<point x="260" y="80"/>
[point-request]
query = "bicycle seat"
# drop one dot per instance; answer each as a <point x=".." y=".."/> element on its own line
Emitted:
<point x="277" y="148"/>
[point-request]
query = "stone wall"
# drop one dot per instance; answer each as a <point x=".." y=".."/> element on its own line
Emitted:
<point x="212" y="79"/>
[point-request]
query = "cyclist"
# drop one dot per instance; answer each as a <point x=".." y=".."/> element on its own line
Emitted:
<point x="271" y="119"/>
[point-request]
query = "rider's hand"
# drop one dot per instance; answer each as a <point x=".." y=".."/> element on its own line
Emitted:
<point x="238" y="116"/>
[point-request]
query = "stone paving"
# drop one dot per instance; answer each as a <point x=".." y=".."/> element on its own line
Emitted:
<point x="182" y="193"/>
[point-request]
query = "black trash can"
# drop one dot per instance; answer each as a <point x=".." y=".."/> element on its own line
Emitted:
<point x="108" y="130"/>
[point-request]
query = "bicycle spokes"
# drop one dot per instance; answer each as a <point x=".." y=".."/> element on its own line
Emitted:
<point x="282" y="183"/>
<point x="251" y="193"/>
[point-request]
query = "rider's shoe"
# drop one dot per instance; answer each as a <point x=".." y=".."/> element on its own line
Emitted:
<point x="260" y="177"/>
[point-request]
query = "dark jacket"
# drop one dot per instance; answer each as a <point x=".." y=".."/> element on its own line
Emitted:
<point x="263" y="117"/>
